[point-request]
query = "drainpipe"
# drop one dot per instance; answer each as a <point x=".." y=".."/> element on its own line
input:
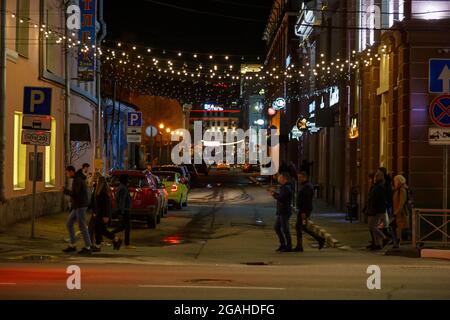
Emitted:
<point x="2" y="98"/>
<point x="99" y="147"/>
<point x="68" y="148"/>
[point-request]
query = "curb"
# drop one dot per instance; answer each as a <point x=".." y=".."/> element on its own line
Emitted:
<point x="316" y="229"/>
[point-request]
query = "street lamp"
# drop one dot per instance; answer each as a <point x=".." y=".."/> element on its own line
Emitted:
<point x="168" y="130"/>
<point x="161" y="126"/>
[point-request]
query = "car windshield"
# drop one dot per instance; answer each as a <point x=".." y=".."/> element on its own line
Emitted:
<point x="133" y="181"/>
<point x="166" y="176"/>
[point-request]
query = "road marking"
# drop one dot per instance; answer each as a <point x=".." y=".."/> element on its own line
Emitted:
<point x="7" y="284"/>
<point x="208" y="287"/>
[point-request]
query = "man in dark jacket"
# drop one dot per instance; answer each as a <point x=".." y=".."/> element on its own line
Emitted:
<point x="376" y="211"/>
<point x="284" y="201"/>
<point x="123" y="206"/>
<point x="79" y="200"/>
<point x="305" y="207"/>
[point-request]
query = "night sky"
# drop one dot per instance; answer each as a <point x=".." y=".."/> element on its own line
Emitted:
<point x="232" y="27"/>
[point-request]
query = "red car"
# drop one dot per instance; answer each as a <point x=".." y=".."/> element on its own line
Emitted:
<point x="146" y="197"/>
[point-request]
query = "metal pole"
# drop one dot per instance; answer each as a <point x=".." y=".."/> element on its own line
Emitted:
<point x="68" y="148"/>
<point x="414" y="217"/>
<point x="33" y="209"/>
<point x="2" y="97"/>
<point x="445" y="186"/>
<point x="445" y="200"/>
<point x="160" y="147"/>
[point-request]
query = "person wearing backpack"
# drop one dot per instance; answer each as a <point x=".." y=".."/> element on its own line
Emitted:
<point x="400" y="212"/>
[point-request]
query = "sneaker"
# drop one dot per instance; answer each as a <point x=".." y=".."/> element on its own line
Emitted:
<point x="321" y="244"/>
<point x="280" y="248"/>
<point x="70" y="249"/>
<point x="298" y="249"/>
<point x="286" y="250"/>
<point x="96" y="249"/>
<point x="85" y="251"/>
<point x="117" y="244"/>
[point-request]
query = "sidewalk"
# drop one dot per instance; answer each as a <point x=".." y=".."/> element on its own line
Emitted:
<point x="354" y="235"/>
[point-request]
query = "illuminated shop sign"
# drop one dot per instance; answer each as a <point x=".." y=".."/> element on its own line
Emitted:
<point x="334" y="95"/>
<point x="322" y="104"/>
<point x="354" y="130"/>
<point x="296" y="133"/>
<point x="312" y="109"/>
<point x="212" y="107"/>
<point x="279" y="103"/>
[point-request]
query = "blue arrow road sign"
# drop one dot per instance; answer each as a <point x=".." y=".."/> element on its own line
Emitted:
<point x="37" y="101"/>
<point x="439" y="76"/>
<point x="440" y="110"/>
<point x="134" y="119"/>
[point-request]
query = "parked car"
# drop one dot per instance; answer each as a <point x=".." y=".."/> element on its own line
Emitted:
<point x="164" y="195"/>
<point x="223" y="166"/>
<point x="180" y="169"/>
<point x="249" y="168"/>
<point x="145" y="197"/>
<point x="178" y="191"/>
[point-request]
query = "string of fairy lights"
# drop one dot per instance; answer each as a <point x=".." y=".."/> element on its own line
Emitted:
<point x="197" y="77"/>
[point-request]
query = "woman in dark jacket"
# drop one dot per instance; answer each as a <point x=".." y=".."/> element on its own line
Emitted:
<point x="376" y="210"/>
<point x="103" y="214"/>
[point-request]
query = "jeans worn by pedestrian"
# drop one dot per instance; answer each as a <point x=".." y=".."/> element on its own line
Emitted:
<point x="300" y="226"/>
<point x="374" y="226"/>
<point x="78" y="215"/>
<point x="283" y="232"/>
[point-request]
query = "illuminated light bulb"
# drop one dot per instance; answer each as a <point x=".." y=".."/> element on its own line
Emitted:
<point x="210" y="57"/>
<point x="179" y="54"/>
<point x="119" y="44"/>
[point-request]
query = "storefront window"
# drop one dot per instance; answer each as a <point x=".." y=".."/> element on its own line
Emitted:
<point x="19" y="154"/>
<point x="50" y="158"/>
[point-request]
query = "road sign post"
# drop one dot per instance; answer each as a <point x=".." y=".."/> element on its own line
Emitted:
<point x="33" y="208"/>
<point x="36" y="127"/>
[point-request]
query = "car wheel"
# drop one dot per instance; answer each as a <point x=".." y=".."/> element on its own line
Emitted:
<point x="152" y="221"/>
<point x="179" y="204"/>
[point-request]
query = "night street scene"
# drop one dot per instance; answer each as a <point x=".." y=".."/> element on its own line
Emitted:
<point x="224" y="150"/>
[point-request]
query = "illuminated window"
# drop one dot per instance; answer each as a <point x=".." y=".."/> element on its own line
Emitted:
<point x="20" y="152"/>
<point x="50" y="158"/>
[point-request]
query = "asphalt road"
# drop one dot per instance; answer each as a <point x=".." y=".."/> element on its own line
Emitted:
<point x="220" y="247"/>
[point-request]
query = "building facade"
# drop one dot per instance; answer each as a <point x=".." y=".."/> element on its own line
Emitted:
<point x="361" y="70"/>
<point x="35" y="51"/>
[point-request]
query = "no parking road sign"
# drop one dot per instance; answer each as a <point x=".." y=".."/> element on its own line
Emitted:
<point x="440" y="111"/>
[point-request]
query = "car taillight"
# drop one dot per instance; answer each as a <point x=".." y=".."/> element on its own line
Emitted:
<point x="173" y="188"/>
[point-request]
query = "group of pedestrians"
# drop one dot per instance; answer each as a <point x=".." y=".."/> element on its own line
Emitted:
<point x="387" y="209"/>
<point x="286" y="179"/>
<point x="100" y="203"/>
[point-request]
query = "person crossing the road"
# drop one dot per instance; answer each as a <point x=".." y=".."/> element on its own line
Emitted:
<point x="79" y="199"/>
<point x="305" y="207"/>
<point x="284" y="212"/>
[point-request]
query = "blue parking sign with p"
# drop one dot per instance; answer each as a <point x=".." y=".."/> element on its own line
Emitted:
<point x="135" y="119"/>
<point x="37" y="101"/>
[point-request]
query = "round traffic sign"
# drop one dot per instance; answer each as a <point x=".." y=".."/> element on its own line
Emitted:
<point x="440" y="110"/>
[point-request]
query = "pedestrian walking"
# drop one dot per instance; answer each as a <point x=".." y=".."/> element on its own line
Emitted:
<point x="79" y="204"/>
<point x="92" y="207"/>
<point x="376" y="212"/>
<point x="103" y="215"/>
<point x="365" y="210"/>
<point x="305" y="207"/>
<point x="284" y="212"/>
<point x="400" y="215"/>
<point x="123" y="207"/>
<point x="389" y="201"/>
